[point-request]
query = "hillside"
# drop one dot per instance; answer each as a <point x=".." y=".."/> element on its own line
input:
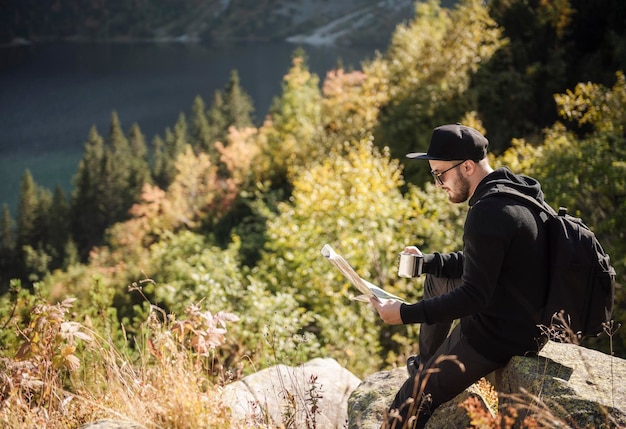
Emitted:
<point x="216" y="21"/>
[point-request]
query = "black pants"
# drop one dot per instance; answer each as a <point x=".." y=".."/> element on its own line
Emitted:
<point x="420" y="395"/>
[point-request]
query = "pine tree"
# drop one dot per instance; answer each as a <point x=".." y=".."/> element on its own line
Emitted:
<point x="71" y="256"/>
<point x="218" y="120"/>
<point x="168" y="150"/>
<point x="231" y="107"/>
<point x="177" y="146"/>
<point x="200" y="135"/>
<point x="139" y="172"/>
<point x="58" y="226"/>
<point x="116" y="138"/>
<point x="7" y="249"/>
<point x="33" y="225"/>
<point x="7" y="233"/>
<point x="114" y="192"/>
<point x="137" y="142"/>
<point x="239" y="106"/>
<point x="44" y="224"/>
<point x="44" y="254"/>
<point x="27" y="212"/>
<point x="159" y="162"/>
<point x="87" y="214"/>
<point x="109" y="181"/>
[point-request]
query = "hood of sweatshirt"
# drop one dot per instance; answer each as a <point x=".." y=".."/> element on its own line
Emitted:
<point x="503" y="176"/>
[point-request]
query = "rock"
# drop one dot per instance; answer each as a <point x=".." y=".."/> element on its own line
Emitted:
<point x="371" y="399"/>
<point x="576" y="383"/>
<point x="566" y="382"/>
<point x="569" y="383"/>
<point x="314" y="394"/>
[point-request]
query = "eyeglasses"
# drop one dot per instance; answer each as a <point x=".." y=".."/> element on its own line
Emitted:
<point x="438" y="176"/>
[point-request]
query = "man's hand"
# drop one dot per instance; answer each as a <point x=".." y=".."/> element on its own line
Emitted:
<point x="412" y="250"/>
<point x="388" y="310"/>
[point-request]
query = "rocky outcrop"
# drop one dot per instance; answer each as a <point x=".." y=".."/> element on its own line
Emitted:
<point x="314" y="394"/>
<point x="370" y="401"/>
<point x="566" y="382"/>
<point x="572" y="383"/>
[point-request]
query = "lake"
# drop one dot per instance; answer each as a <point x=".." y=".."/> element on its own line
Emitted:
<point x="51" y="95"/>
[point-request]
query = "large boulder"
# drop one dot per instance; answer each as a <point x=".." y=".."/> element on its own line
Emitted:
<point x="314" y="394"/>
<point x="370" y="401"/>
<point x="578" y="385"/>
<point x="566" y="382"/>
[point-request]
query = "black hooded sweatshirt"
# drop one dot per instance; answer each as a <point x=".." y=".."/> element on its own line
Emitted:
<point x="504" y="249"/>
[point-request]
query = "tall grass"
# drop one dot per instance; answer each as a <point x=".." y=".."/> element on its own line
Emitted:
<point x="64" y="374"/>
<point x="60" y="373"/>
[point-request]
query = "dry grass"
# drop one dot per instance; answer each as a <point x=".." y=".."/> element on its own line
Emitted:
<point x="64" y="375"/>
<point x="61" y="381"/>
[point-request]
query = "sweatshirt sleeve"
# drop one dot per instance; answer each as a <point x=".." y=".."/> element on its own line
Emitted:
<point x="448" y="265"/>
<point x="485" y="242"/>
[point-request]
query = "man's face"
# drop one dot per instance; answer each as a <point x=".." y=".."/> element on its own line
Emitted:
<point x="448" y="175"/>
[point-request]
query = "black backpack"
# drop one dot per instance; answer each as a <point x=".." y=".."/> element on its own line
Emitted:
<point x="582" y="280"/>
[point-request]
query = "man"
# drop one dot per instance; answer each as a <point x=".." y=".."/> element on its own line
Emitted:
<point x="504" y="257"/>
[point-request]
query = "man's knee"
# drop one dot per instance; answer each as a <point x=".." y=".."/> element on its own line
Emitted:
<point x="432" y="286"/>
<point x="435" y="286"/>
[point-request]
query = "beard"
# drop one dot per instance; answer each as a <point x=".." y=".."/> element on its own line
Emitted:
<point x="461" y="192"/>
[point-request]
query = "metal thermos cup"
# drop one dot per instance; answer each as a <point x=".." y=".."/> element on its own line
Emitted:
<point x="410" y="265"/>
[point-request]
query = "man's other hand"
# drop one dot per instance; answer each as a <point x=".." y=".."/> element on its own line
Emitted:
<point x="388" y="310"/>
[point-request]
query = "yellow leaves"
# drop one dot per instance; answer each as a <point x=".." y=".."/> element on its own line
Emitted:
<point x="596" y="105"/>
<point x="350" y="186"/>
<point x="294" y="131"/>
<point x="66" y="359"/>
<point x="558" y="13"/>
<point x="180" y="329"/>
<point x="436" y="53"/>
<point x="299" y="74"/>
<point x="519" y="157"/>
<point x="195" y="184"/>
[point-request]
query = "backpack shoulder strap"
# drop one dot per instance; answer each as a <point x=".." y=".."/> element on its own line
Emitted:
<point x="504" y="190"/>
<point x="545" y="213"/>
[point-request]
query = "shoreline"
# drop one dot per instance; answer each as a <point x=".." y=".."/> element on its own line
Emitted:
<point x="300" y="39"/>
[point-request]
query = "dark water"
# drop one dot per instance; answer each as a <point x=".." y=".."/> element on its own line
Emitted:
<point x="51" y="95"/>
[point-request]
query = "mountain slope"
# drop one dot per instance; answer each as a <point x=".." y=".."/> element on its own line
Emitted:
<point x="301" y="21"/>
<point x="313" y="21"/>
